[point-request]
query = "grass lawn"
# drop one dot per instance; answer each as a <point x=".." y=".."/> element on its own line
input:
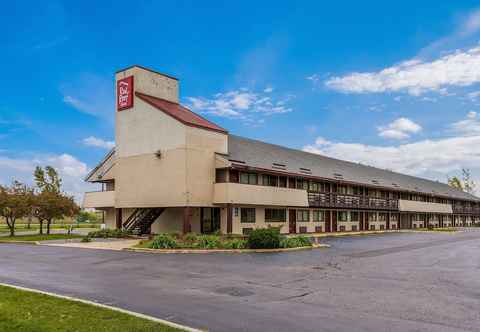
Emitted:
<point x="31" y="312"/>
<point x="23" y="227"/>
<point x="38" y="237"/>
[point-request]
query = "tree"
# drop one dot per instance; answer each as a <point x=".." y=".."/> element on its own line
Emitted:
<point x="51" y="203"/>
<point x="48" y="179"/>
<point x="465" y="183"/>
<point x="15" y="203"/>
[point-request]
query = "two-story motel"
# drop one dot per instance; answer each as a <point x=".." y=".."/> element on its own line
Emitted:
<point x="174" y="171"/>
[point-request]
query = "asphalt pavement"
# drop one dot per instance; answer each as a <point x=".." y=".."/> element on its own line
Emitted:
<point x="389" y="282"/>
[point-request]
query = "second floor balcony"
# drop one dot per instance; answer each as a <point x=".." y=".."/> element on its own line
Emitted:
<point x="335" y="200"/>
<point x="460" y="209"/>
<point x="99" y="199"/>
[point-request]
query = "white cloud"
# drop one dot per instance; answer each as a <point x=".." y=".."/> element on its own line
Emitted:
<point x="415" y="77"/>
<point x="471" y="25"/>
<point x="401" y="128"/>
<point x="91" y="94"/>
<point x="313" y="78"/>
<point x="423" y="157"/>
<point x="98" y="142"/>
<point x="240" y="104"/>
<point x="470" y="126"/>
<point x="71" y="170"/>
<point x="473" y="95"/>
<point x="268" y="89"/>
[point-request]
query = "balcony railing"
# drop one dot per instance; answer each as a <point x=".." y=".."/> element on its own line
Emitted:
<point x="466" y="210"/>
<point x="334" y="200"/>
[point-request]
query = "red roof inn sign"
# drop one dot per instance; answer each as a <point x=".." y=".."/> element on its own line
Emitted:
<point x="125" y="93"/>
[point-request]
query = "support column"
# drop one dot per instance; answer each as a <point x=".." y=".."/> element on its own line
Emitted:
<point x="118" y="218"/>
<point x="229" y="219"/>
<point x="388" y="221"/>
<point x="187" y="227"/>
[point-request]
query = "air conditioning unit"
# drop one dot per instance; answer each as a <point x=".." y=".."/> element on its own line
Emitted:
<point x="158" y="154"/>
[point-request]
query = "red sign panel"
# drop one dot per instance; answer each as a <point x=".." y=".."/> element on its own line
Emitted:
<point x="125" y="93"/>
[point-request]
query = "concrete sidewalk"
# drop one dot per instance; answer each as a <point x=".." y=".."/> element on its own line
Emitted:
<point x="103" y="244"/>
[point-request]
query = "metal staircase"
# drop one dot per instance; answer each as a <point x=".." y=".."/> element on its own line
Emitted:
<point x="141" y="220"/>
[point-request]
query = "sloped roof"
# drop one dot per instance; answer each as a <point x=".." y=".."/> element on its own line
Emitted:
<point x="180" y="113"/>
<point x="264" y="155"/>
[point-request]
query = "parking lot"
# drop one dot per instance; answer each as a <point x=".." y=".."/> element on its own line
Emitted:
<point x="390" y="282"/>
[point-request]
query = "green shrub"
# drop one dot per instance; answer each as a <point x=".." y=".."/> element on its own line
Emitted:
<point x="235" y="244"/>
<point x="109" y="233"/>
<point x="164" y="241"/>
<point x="208" y="242"/>
<point x="264" y="238"/>
<point x="190" y="238"/>
<point x="86" y="239"/>
<point x="295" y="242"/>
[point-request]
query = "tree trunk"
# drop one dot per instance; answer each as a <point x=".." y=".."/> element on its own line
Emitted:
<point x="48" y="227"/>
<point x="40" y="222"/>
<point x="29" y="223"/>
<point x="11" y="226"/>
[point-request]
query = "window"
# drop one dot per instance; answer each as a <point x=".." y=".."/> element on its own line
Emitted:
<point x="342" y="190"/>
<point x="248" y="178"/>
<point x="342" y="216"/>
<point x="372" y="216"/>
<point x="303" y="229"/>
<point x="393" y="217"/>
<point x="302" y="184"/>
<point x="318" y="215"/>
<point x="220" y="175"/>
<point x="247" y="215"/>
<point x="357" y="190"/>
<point x="247" y="231"/>
<point x="282" y="181"/>
<point x="275" y="215"/>
<point x="270" y="180"/>
<point x="354" y="228"/>
<point x="354" y="216"/>
<point x="303" y="215"/>
<point x="314" y="186"/>
<point x="382" y="217"/>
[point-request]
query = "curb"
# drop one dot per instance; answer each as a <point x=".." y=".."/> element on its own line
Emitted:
<point x="227" y="251"/>
<point x="100" y="305"/>
<point x="21" y="242"/>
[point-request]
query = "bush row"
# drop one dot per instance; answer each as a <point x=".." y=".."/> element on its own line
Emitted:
<point x="109" y="233"/>
<point x="262" y="238"/>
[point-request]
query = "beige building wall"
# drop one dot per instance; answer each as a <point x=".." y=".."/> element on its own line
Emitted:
<point x="109" y="218"/>
<point x="152" y="83"/>
<point x="184" y="173"/>
<point x="238" y="226"/>
<point x="238" y="193"/>
<point x="171" y="221"/>
<point x="415" y="206"/>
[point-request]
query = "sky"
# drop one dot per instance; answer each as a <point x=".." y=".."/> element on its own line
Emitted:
<point x="395" y="86"/>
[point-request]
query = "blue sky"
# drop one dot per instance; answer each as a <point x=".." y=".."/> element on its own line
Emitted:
<point x="395" y="86"/>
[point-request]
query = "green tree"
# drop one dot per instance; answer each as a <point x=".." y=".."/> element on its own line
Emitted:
<point x="50" y="202"/>
<point x="465" y="183"/>
<point x="53" y="205"/>
<point x="48" y="179"/>
<point x="15" y="203"/>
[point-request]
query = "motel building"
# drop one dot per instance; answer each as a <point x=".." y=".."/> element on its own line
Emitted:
<point x="174" y="171"/>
